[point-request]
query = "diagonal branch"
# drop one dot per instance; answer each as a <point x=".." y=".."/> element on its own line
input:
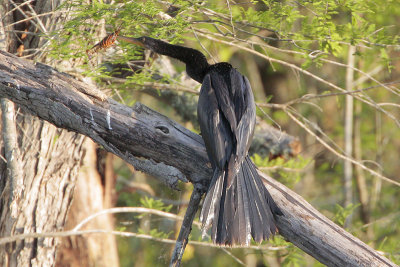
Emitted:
<point x="140" y="132"/>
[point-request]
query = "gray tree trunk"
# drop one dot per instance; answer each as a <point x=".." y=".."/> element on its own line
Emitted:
<point x="40" y="163"/>
<point x="49" y="161"/>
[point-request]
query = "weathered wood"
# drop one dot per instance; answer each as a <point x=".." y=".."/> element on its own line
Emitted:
<point x="267" y="142"/>
<point x="186" y="227"/>
<point x="270" y="142"/>
<point x="39" y="202"/>
<point x="127" y="132"/>
<point x="315" y="234"/>
<point x="141" y="132"/>
<point x="46" y="169"/>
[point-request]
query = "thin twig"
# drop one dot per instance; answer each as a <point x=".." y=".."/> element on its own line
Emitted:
<point x="44" y="30"/>
<point x="154" y="85"/>
<point x="202" y="46"/>
<point x="209" y="12"/>
<point x="143" y="210"/>
<point x="125" y="210"/>
<point x="270" y="118"/>
<point x="286" y="169"/>
<point x="319" y="96"/>
<point x="306" y="72"/>
<point x="14" y="238"/>
<point x="362" y="72"/>
<point x="327" y="146"/>
<point x="17" y="7"/>
<point x="12" y="154"/>
<point x="386" y="218"/>
<point x="231" y="17"/>
<point x="348" y="133"/>
<point x="22" y="12"/>
<point x="251" y="42"/>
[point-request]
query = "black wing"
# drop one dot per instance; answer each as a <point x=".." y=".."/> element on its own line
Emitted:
<point x="237" y="204"/>
<point x="215" y="129"/>
<point x="245" y="110"/>
<point x="226" y="113"/>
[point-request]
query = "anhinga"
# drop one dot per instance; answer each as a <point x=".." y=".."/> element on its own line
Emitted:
<point x="237" y="204"/>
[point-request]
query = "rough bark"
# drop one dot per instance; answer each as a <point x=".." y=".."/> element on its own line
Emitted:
<point x="37" y="187"/>
<point x="89" y="197"/>
<point x="38" y="179"/>
<point x="49" y="171"/>
<point x="141" y="132"/>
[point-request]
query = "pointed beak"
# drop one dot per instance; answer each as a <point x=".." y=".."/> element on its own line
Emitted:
<point x="131" y="40"/>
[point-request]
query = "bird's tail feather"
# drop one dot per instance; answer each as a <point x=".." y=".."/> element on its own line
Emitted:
<point x="238" y="207"/>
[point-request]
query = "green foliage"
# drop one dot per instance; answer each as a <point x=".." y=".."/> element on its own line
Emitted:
<point x="156" y="233"/>
<point x="135" y="18"/>
<point x="294" y="259"/>
<point x="326" y="26"/>
<point x="156" y="204"/>
<point x="287" y="170"/>
<point x="343" y="212"/>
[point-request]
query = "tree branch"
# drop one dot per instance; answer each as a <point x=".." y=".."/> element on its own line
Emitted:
<point x="186" y="227"/>
<point x="140" y="132"/>
<point x="12" y="155"/>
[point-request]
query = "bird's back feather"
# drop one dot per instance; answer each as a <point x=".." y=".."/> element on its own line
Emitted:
<point x="237" y="204"/>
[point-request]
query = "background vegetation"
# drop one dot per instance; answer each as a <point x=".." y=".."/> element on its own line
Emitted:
<point x="302" y="58"/>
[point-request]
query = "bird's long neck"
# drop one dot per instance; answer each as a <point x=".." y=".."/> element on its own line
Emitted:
<point x="196" y="62"/>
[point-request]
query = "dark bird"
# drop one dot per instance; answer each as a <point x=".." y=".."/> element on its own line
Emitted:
<point x="237" y="204"/>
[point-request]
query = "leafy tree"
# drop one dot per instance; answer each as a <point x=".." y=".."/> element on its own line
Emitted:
<point x="325" y="71"/>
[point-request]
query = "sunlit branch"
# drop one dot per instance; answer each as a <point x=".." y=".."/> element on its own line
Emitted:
<point x="251" y="42"/>
<point x="10" y="239"/>
<point x="327" y="146"/>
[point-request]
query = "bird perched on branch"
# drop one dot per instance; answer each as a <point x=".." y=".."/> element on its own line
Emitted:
<point x="237" y="205"/>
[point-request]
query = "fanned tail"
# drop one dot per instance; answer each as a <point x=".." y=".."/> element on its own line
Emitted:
<point x="238" y="207"/>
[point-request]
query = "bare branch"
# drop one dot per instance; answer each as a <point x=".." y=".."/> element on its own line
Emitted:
<point x="36" y="16"/>
<point x="186" y="226"/>
<point x="319" y="96"/>
<point x="128" y="210"/>
<point x="10" y="239"/>
<point x="366" y="76"/>
<point x="348" y="158"/>
<point x="12" y="155"/>
<point x="362" y="98"/>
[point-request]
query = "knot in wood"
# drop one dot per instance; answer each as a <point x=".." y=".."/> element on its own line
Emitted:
<point x="162" y="129"/>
